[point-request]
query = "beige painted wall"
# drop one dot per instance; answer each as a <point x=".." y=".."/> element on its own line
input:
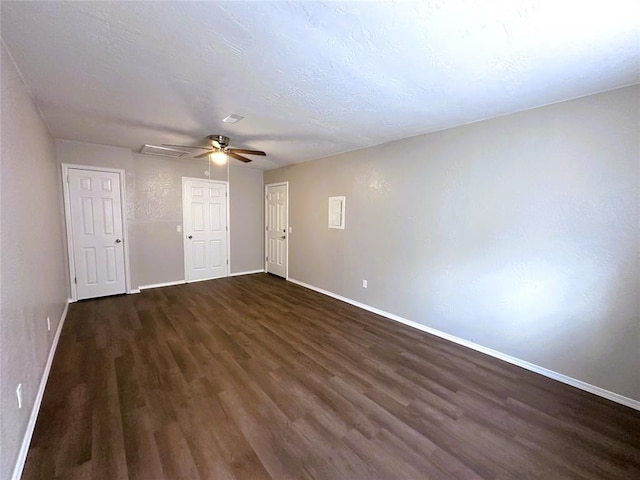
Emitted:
<point x="157" y="211"/>
<point x="246" y="201"/>
<point x="519" y="233"/>
<point x="32" y="272"/>
<point x="154" y="207"/>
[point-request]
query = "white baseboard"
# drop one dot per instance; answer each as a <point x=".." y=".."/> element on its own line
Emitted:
<point x="615" y="397"/>
<point x="202" y="280"/>
<point x="182" y="282"/>
<point x="26" y="441"/>
<point x="159" y="285"/>
<point x="237" y="274"/>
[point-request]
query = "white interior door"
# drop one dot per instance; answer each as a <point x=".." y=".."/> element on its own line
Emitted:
<point x="276" y="228"/>
<point x="204" y="204"/>
<point x="95" y="208"/>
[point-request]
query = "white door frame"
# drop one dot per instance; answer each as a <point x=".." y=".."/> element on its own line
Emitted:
<point x="184" y="253"/>
<point x="67" y="216"/>
<point x="266" y="234"/>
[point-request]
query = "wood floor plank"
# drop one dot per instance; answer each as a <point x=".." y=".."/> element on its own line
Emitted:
<point x="108" y="458"/>
<point x="175" y="454"/>
<point x="273" y="446"/>
<point x="143" y="458"/>
<point x="234" y="447"/>
<point x="75" y="443"/>
<point x="253" y="377"/>
<point x="331" y="456"/>
<point x="198" y="432"/>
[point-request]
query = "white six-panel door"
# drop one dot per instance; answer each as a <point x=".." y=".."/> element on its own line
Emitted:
<point x="276" y="228"/>
<point x="204" y="205"/>
<point x="95" y="210"/>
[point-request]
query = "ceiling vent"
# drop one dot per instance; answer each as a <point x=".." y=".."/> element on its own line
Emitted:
<point x="163" y="151"/>
<point x="233" y="118"/>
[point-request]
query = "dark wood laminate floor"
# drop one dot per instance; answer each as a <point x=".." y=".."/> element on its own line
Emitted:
<point x="255" y="378"/>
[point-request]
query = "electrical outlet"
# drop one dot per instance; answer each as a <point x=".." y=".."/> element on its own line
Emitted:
<point x="364" y="284"/>
<point x="48" y="324"/>
<point x="19" y="395"/>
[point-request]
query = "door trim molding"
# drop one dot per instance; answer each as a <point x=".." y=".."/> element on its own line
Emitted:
<point x="67" y="217"/>
<point x="266" y="186"/>
<point x="184" y="253"/>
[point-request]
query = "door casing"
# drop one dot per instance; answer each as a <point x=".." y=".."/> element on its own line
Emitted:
<point x="266" y="233"/>
<point x="69" y="230"/>
<point x="184" y="252"/>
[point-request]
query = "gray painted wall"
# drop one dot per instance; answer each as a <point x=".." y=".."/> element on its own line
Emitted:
<point x="154" y="207"/>
<point x="32" y="274"/>
<point x="519" y="233"/>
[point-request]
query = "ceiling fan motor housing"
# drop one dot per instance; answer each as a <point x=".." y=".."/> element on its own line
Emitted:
<point x="221" y="139"/>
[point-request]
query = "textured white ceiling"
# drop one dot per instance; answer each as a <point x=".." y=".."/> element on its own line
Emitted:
<point x="311" y="78"/>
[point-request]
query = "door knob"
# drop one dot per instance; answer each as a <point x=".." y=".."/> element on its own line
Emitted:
<point x="283" y="237"/>
<point x="118" y="240"/>
<point x="189" y="237"/>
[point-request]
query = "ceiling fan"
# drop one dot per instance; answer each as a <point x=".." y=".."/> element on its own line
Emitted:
<point x="220" y="149"/>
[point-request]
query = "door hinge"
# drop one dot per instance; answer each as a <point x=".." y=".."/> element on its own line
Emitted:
<point x="68" y="179"/>
<point x="266" y="259"/>
<point x="227" y="229"/>
<point x="75" y="280"/>
<point x="227" y="261"/>
<point x="266" y="228"/>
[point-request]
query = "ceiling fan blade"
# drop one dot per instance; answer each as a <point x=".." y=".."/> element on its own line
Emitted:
<point x="250" y="152"/>
<point x="185" y="146"/>
<point x="204" y="154"/>
<point x="238" y="157"/>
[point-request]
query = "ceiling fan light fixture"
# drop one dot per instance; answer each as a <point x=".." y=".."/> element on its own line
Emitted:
<point x="219" y="158"/>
